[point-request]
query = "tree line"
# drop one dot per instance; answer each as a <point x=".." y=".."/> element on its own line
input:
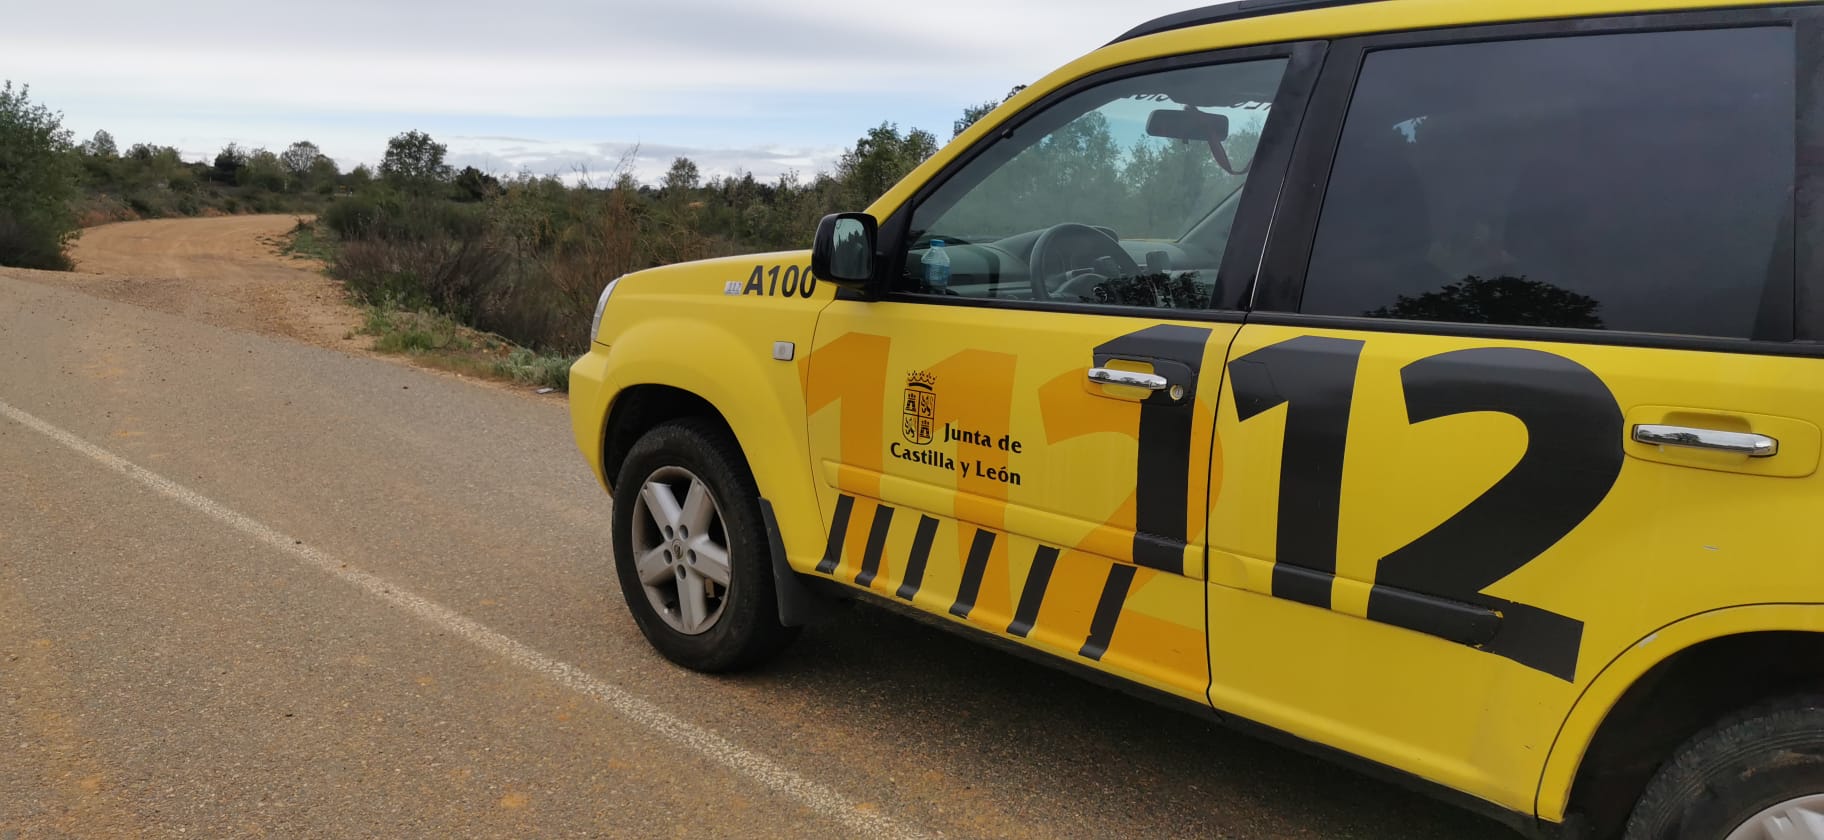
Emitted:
<point x="521" y="255"/>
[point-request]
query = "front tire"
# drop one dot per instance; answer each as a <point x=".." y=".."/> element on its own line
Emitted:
<point x="691" y="550"/>
<point x="1756" y="776"/>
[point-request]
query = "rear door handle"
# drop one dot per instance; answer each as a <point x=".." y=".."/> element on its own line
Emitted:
<point x="1751" y="445"/>
<point x="1111" y="376"/>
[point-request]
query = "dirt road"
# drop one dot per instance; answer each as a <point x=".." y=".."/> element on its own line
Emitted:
<point x="253" y="587"/>
<point x="223" y="271"/>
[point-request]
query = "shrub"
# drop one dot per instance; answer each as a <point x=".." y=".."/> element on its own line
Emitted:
<point x="529" y="368"/>
<point x="354" y="216"/>
<point x="37" y="183"/>
<point x="376" y="273"/>
<point x="460" y="277"/>
<point x="101" y="209"/>
<point x="26" y="246"/>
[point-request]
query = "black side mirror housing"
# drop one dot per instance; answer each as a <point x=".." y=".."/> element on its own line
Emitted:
<point x="843" y="253"/>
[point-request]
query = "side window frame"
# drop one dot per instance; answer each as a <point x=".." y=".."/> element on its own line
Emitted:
<point x="1808" y="189"/>
<point x="1287" y="254"/>
<point x="1247" y="238"/>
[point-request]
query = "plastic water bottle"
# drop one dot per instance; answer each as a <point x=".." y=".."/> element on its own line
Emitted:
<point x="937" y="267"/>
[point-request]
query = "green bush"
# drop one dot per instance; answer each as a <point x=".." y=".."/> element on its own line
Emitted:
<point x="38" y="188"/>
<point x="384" y="215"/>
<point x="530" y="368"/>
<point x="28" y="246"/>
<point x="352" y="217"/>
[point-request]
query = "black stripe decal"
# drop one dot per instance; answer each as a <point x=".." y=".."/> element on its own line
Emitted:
<point x="1108" y="611"/>
<point x="1306" y="586"/>
<point x="1162" y="483"/>
<point x="974" y="569"/>
<point x="839" y="529"/>
<point x="877" y="543"/>
<point x="921" y="554"/>
<point x="1159" y="553"/>
<point x="1033" y="593"/>
<point x="1163" y="468"/>
<point x="1314" y="377"/>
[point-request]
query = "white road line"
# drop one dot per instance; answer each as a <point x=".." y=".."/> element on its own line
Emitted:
<point x="755" y="766"/>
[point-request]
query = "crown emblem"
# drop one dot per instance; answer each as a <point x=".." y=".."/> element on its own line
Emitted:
<point x="921" y="379"/>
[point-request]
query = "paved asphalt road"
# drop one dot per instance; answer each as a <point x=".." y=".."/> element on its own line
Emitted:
<point x="251" y="587"/>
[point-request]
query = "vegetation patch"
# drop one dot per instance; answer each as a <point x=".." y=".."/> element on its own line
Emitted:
<point x="439" y="341"/>
<point x="308" y="240"/>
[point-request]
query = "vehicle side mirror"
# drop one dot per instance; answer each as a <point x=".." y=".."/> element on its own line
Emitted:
<point x="843" y="253"/>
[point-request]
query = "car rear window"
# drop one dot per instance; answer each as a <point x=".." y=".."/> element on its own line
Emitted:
<point x="1638" y="182"/>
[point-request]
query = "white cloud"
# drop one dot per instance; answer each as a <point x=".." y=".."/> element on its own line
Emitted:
<point x="269" y="73"/>
<point x="618" y="84"/>
<point x="601" y="163"/>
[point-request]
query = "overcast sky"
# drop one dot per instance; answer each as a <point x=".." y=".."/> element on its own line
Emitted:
<point x="545" y="85"/>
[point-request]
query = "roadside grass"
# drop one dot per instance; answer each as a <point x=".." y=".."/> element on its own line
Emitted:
<point x="432" y="338"/>
<point x="438" y="341"/>
<point x="308" y="239"/>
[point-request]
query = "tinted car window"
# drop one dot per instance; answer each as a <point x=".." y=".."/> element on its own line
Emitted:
<point x="1637" y="182"/>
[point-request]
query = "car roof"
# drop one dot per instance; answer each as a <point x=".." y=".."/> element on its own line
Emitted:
<point x="1242" y="9"/>
<point x="1233" y="10"/>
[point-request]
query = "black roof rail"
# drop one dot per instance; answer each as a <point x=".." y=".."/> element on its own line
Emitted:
<point x="1234" y="10"/>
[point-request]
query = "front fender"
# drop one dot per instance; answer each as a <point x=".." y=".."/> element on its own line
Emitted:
<point x="1586" y="717"/>
<point x="684" y="328"/>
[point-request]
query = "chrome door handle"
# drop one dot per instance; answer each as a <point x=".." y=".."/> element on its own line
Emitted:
<point x="1110" y="376"/>
<point x="1751" y="445"/>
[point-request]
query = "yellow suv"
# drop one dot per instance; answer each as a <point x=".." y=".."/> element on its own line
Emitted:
<point x="1434" y="383"/>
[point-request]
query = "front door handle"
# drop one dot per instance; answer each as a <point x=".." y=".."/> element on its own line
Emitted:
<point x="1751" y="445"/>
<point x="1110" y="376"/>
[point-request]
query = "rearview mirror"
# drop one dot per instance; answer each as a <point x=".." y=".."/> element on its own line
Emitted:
<point x="843" y="253"/>
<point x="1188" y="124"/>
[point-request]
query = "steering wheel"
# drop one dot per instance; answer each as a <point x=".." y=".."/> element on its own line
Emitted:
<point x="1050" y="260"/>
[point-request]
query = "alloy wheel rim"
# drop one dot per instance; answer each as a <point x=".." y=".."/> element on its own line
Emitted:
<point x="1795" y="819"/>
<point x="680" y="549"/>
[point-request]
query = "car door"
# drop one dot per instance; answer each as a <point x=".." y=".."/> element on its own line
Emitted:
<point x="1026" y="447"/>
<point x="1522" y="383"/>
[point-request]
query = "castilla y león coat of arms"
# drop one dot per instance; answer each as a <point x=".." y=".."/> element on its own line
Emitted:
<point x="918" y="422"/>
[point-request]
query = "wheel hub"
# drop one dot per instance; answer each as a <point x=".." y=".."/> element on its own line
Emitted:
<point x="680" y="546"/>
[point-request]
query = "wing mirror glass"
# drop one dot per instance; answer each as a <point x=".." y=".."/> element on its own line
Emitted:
<point x="844" y="251"/>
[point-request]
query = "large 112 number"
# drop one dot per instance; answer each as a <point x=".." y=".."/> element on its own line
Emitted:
<point x="1434" y="583"/>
